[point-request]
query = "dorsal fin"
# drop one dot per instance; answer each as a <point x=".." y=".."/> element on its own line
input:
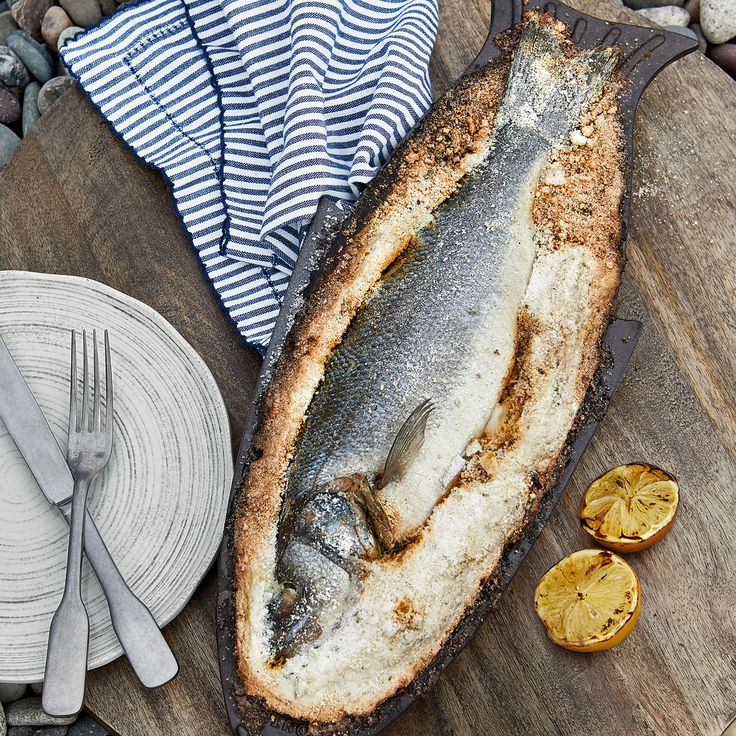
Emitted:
<point x="406" y="446"/>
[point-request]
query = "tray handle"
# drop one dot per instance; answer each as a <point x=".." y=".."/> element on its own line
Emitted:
<point x="644" y="52"/>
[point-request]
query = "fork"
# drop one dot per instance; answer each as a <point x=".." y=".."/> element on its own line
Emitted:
<point x="88" y="451"/>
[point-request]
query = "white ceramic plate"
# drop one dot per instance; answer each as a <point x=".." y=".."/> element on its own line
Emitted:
<point x="160" y="504"/>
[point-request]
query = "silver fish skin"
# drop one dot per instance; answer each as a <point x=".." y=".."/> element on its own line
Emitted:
<point x="421" y="329"/>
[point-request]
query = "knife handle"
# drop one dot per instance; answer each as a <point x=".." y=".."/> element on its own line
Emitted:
<point x="144" y="644"/>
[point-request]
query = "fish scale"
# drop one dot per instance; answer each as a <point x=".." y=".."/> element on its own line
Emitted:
<point x="440" y="325"/>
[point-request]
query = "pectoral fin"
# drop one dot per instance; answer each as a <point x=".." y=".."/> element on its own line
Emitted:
<point x="407" y="444"/>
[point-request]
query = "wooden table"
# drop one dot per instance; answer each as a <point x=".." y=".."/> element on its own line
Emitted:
<point x="74" y="201"/>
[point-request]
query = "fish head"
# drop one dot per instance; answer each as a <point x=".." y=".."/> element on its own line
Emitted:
<point x="313" y="593"/>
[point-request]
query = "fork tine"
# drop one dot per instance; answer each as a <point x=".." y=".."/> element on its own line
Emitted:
<point x="73" y="388"/>
<point x="96" y="415"/>
<point x="108" y="395"/>
<point x="85" y="385"/>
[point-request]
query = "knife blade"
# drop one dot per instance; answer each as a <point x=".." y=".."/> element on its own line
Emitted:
<point x="31" y="433"/>
<point x="139" y="634"/>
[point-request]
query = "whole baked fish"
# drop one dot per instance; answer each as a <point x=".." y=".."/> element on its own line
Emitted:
<point x="423" y="401"/>
<point x="372" y="461"/>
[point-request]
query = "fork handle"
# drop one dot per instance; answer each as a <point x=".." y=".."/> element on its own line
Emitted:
<point x="66" y="656"/>
<point x="144" y="644"/>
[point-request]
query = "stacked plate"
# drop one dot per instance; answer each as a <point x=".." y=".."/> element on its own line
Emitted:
<point x="160" y="503"/>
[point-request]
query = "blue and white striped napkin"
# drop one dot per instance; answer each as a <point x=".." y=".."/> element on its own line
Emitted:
<point x="253" y="111"/>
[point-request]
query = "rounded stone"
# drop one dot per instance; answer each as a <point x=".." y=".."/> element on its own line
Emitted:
<point x="725" y="56"/>
<point x="12" y="71"/>
<point x="28" y="711"/>
<point x="683" y="31"/>
<point x="7" y="25"/>
<point x="718" y="20"/>
<point x="702" y="43"/>
<point x="9" y="106"/>
<point x="35" y="56"/>
<point x="666" y="15"/>
<point x="66" y="34"/>
<point x="87" y="726"/>
<point x="29" y="118"/>
<point x="28" y="15"/>
<point x="108" y="7"/>
<point x="693" y="7"/>
<point x="51" y="91"/>
<point x="83" y="12"/>
<point x="642" y="4"/>
<point x="10" y="692"/>
<point x="54" y="22"/>
<point x="8" y="143"/>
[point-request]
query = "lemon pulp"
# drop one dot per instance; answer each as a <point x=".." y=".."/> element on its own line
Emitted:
<point x="630" y="507"/>
<point x="588" y="601"/>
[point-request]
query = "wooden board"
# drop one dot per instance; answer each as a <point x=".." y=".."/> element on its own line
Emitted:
<point x="74" y="201"/>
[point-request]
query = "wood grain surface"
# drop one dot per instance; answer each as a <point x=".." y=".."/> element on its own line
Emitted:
<point x="74" y="201"/>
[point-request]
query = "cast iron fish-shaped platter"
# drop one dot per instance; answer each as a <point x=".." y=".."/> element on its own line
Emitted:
<point x="368" y="489"/>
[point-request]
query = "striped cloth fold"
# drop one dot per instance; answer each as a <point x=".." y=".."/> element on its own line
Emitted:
<point x="252" y="111"/>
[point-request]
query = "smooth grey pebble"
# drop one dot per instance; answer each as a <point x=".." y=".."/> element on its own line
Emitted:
<point x="87" y="726"/>
<point x="10" y="692"/>
<point x="7" y="25"/>
<point x="9" y="106"/>
<point x="29" y="118"/>
<point x="702" y="43"/>
<point x="28" y="711"/>
<point x="641" y="4"/>
<point x="35" y="56"/>
<point x="12" y="70"/>
<point x="683" y="31"/>
<point x="667" y="15"/>
<point x="718" y="20"/>
<point x="66" y="34"/>
<point x="8" y="143"/>
<point x="51" y="91"/>
<point x="84" y="13"/>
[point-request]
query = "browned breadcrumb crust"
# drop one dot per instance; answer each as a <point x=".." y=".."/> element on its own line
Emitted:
<point x="423" y="173"/>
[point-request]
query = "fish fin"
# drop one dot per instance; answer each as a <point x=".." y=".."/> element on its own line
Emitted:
<point x="377" y="515"/>
<point x="406" y="446"/>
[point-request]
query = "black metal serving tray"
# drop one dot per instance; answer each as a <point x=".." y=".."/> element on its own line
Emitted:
<point x="644" y="52"/>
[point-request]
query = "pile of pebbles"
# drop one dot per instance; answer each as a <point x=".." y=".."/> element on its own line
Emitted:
<point x="21" y="714"/>
<point x="32" y="77"/>
<point x="712" y="23"/>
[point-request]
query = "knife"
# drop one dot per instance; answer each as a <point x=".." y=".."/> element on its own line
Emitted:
<point x="139" y="634"/>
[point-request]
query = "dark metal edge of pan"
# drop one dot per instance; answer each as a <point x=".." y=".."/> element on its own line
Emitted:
<point x="644" y="53"/>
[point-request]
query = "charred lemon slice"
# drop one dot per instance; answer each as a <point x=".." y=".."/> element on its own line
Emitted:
<point x="630" y="507"/>
<point x="589" y="601"/>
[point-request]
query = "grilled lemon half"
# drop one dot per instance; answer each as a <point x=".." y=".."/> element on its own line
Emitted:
<point x="589" y="601"/>
<point x="630" y="507"/>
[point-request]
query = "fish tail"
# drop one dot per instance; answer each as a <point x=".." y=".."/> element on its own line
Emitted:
<point x="549" y="89"/>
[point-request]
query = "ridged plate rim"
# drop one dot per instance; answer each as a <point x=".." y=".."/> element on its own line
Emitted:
<point x="209" y="487"/>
